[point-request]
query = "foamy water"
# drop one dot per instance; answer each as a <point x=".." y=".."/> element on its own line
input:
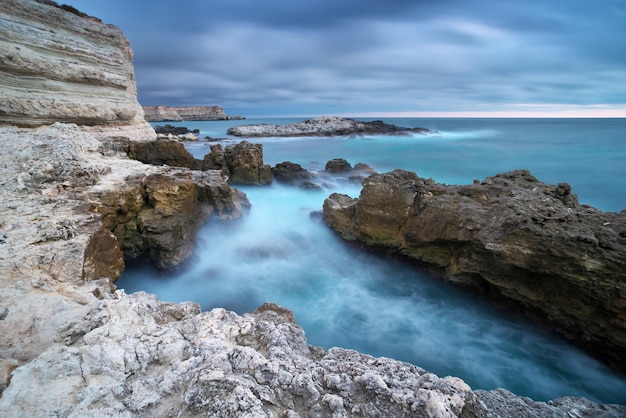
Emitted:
<point x="385" y="307"/>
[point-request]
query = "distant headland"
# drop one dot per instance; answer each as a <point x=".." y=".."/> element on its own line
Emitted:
<point x="186" y="113"/>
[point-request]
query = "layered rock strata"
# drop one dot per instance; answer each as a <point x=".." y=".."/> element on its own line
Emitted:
<point x="323" y="126"/>
<point x="510" y="235"/>
<point x="185" y="113"/>
<point x="59" y="66"/>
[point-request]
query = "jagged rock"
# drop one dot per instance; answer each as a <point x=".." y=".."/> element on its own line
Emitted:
<point x="92" y="86"/>
<point x="70" y="348"/>
<point x="62" y="194"/>
<point x="162" y="151"/>
<point x="179" y="132"/>
<point x="288" y="172"/>
<point x="511" y="235"/>
<point x="188" y="113"/>
<point x="242" y="163"/>
<point x="159" y="214"/>
<point x="338" y="165"/>
<point x="141" y="357"/>
<point x="323" y="126"/>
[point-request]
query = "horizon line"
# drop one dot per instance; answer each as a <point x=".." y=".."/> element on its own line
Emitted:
<point x="581" y="114"/>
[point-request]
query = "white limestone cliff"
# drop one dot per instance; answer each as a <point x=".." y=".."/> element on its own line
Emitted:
<point x="58" y="66"/>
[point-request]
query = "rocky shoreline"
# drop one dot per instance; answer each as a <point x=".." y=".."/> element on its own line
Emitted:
<point x="510" y="236"/>
<point x="75" y="201"/>
<point x="186" y="113"/>
<point x="324" y="126"/>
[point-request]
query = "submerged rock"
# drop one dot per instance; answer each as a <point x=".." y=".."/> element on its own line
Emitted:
<point x="509" y="235"/>
<point x="323" y="126"/>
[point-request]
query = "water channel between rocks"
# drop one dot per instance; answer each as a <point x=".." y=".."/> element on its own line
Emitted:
<point x="345" y="297"/>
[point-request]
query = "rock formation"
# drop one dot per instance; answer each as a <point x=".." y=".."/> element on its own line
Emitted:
<point x="73" y="203"/>
<point x="58" y="66"/>
<point x="177" y="114"/>
<point x="134" y="356"/>
<point x="510" y="235"/>
<point x="323" y="126"/>
<point x="242" y="163"/>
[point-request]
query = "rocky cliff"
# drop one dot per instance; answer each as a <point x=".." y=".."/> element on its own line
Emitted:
<point x="72" y="205"/>
<point x="185" y="113"/>
<point x="509" y="235"/>
<point x="59" y="66"/>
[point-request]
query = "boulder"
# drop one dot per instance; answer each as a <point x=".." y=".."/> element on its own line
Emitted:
<point x="162" y="152"/>
<point x="338" y="165"/>
<point x="323" y="126"/>
<point x="509" y="235"/>
<point x="288" y="172"/>
<point x="242" y="163"/>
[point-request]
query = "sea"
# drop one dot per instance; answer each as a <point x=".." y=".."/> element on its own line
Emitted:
<point x="383" y="306"/>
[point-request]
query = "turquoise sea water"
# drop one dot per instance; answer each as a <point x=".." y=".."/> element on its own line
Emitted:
<point x="381" y="306"/>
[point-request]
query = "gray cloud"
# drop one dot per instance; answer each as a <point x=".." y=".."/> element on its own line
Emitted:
<point x="327" y="56"/>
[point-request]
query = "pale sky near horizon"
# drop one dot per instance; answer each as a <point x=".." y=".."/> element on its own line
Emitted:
<point x="556" y="58"/>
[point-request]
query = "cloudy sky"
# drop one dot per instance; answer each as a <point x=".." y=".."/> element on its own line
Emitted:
<point x="377" y="57"/>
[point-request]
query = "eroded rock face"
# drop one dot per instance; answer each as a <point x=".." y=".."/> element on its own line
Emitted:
<point x="242" y="163"/>
<point x="139" y="357"/>
<point x="159" y="214"/>
<point x="323" y="126"/>
<point x="185" y="113"/>
<point x="93" y="85"/>
<point x="510" y="234"/>
<point x="69" y="205"/>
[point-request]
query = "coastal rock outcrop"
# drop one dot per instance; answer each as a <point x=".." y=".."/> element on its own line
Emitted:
<point x="185" y="113"/>
<point x="61" y="66"/>
<point x="510" y="235"/>
<point x="71" y="201"/>
<point x="134" y="356"/>
<point x="241" y="163"/>
<point x="71" y="208"/>
<point x="323" y="126"/>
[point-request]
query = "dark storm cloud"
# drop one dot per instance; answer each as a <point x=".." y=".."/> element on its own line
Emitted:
<point x="325" y="56"/>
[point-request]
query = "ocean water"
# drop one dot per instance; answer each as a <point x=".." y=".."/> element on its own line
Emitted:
<point x="383" y="306"/>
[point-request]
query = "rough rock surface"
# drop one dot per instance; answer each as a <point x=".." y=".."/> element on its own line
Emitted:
<point x="510" y="235"/>
<point x="241" y="163"/>
<point x="323" y="126"/>
<point x="71" y="348"/>
<point x="69" y="205"/>
<point x="58" y="66"/>
<point x="176" y="114"/>
<point x="133" y="356"/>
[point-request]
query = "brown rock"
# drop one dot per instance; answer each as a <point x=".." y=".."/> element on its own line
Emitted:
<point x="511" y="235"/>
<point x="159" y="214"/>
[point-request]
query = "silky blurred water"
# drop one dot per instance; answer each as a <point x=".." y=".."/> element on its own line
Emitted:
<point x="385" y="307"/>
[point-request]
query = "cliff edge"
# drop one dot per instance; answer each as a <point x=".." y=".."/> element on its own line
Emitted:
<point x="62" y="66"/>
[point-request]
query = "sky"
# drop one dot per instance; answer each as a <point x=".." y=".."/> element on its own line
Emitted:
<point x="554" y="58"/>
